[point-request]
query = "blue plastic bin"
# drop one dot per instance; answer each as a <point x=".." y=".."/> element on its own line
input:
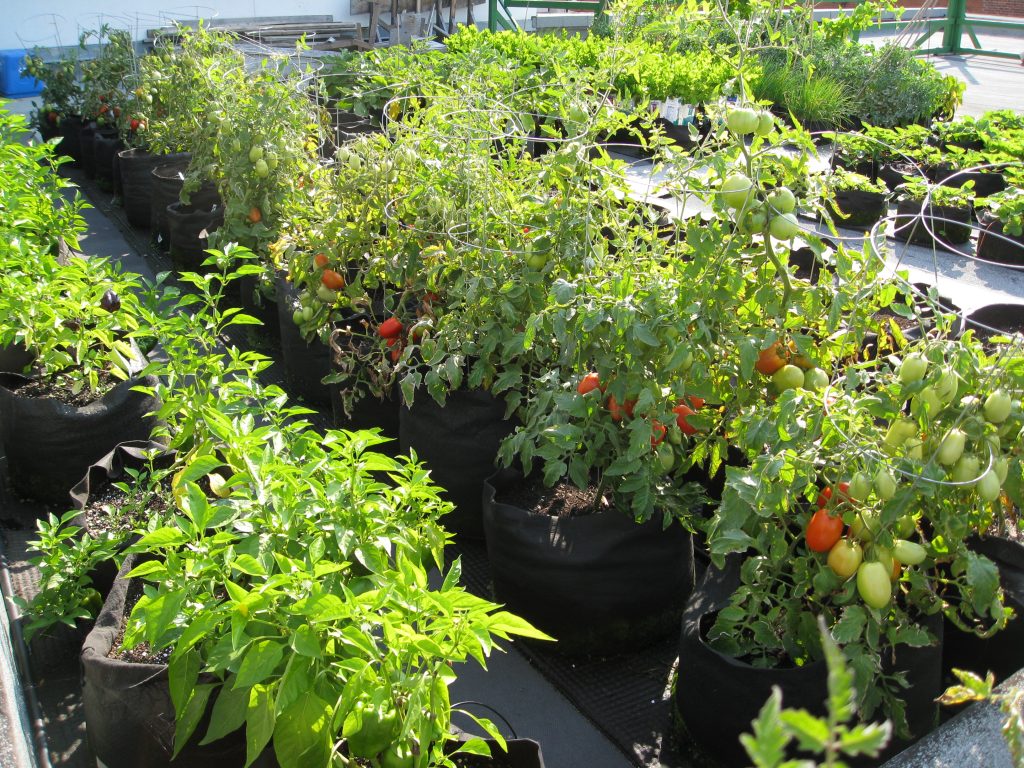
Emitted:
<point x="12" y="84"/>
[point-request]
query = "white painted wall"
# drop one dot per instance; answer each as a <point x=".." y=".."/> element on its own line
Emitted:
<point x="29" y="23"/>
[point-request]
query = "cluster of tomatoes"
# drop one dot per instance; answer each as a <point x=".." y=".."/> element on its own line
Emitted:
<point x="684" y="409"/>
<point x="879" y="567"/>
<point x="790" y="370"/>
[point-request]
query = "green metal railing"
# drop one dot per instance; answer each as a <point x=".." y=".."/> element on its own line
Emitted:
<point x="953" y="26"/>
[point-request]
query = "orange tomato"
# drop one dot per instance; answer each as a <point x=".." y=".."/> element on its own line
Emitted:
<point x="255" y="215"/>
<point x="770" y="360"/>
<point x="588" y="383"/>
<point x="332" y="280"/>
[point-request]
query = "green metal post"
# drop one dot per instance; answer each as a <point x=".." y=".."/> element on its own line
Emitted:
<point x="492" y="15"/>
<point x="953" y="34"/>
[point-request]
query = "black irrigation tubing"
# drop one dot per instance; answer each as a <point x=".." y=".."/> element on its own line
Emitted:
<point x="42" y="752"/>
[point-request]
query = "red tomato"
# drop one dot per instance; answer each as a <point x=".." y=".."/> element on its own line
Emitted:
<point x="657" y="433"/>
<point x="826" y="495"/>
<point x="332" y="280"/>
<point x="823" y="531"/>
<point x="390" y="328"/>
<point x="588" y="383"/>
<point x="320" y="260"/>
<point x="696" y="402"/>
<point x="771" y="359"/>
<point x="682" y="410"/>
<point x="617" y="411"/>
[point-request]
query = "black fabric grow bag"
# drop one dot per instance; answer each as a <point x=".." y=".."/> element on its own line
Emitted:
<point x="86" y="148"/>
<point x="950" y="225"/>
<point x="128" y="711"/>
<point x="49" y="445"/>
<point x="137" y="182"/>
<point x="862" y="209"/>
<point x="165" y="189"/>
<point x="105" y="149"/>
<point x="1003" y="653"/>
<point x="459" y="444"/>
<point x="100" y="476"/>
<point x="522" y="753"/>
<point x="305" y="363"/>
<point x="995" y="245"/>
<point x="599" y="583"/>
<point x="1002" y="318"/>
<point x="717" y="696"/>
<point x="70" y="143"/>
<point x="14" y="358"/>
<point x="256" y="302"/>
<point x="188" y="228"/>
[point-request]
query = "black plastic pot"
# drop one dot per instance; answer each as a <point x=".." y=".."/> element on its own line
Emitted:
<point x="995" y="245"/>
<point x="948" y="225"/>
<point x="86" y="148"/>
<point x="49" y="445"/>
<point x="521" y="753"/>
<point x="106" y="145"/>
<point x="459" y="444"/>
<point x="926" y="317"/>
<point x="188" y="228"/>
<point x="110" y="469"/>
<point x="861" y="208"/>
<point x="348" y="126"/>
<point x="986" y="182"/>
<point x="1000" y="318"/>
<point x="255" y="301"/>
<point x="892" y="174"/>
<point x="129" y="715"/>
<point x="137" y="182"/>
<point x="305" y="363"/>
<point x="1003" y="653"/>
<point x="717" y="696"/>
<point x="48" y="130"/>
<point x="70" y="143"/>
<point x="598" y="583"/>
<point x="865" y="167"/>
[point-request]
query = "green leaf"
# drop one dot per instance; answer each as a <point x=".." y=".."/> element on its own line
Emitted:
<point x="159" y="539"/>
<point x="867" y="739"/>
<point x="259" y="663"/>
<point x="306" y="642"/>
<point x="248" y="565"/>
<point x="182" y="674"/>
<point x="841" y="694"/>
<point x="187" y="721"/>
<point x="503" y="622"/>
<point x="259" y="722"/>
<point x="160" y="613"/>
<point x="302" y="736"/>
<point x="148" y="568"/>
<point x="810" y="731"/>
<point x="228" y="713"/>
<point x="199" y="467"/>
<point x="767" y="747"/>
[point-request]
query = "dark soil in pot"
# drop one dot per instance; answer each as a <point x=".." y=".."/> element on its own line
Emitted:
<point x="50" y="445"/>
<point x="188" y="230"/>
<point x="596" y="581"/>
<point x="995" y="245"/>
<point x="939" y="226"/>
<point x="459" y="443"/>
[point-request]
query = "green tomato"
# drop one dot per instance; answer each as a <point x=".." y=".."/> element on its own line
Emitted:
<point x="765" y="123"/>
<point x="997" y="407"/>
<point x="256" y="153"/>
<point x="908" y="552"/>
<point x="952" y="447"/>
<point x="1001" y="468"/>
<point x="537" y="261"/>
<point x="297" y="317"/>
<point x="816" y="379"/>
<point x="236" y="146"/>
<point x="913" y="368"/>
<point x="261" y="168"/>
<point x="906" y="526"/>
<point x="737" y="191"/>
<point x="845" y="558"/>
<point x="326" y="295"/>
<point x="397" y="756"/>
<point x="947" y="385"/>
<point x="898" y="433"/>
<point x="272" y="160"/>
<point x="885" y="483"/>
<point x="860" y="487"/>
<point x="865" y="525"/>
<point x="989" y="486"/>
<point x="914" y="449"/>
<point x="966" y="471"/>
<point x="667" y="457"/>
<point x="742" y="121"/>
<point x="873" y="584"/>
<point x="782" y="200"/>
<point x="788" y="377"/>
<point x="784" y="226"/>
<point x="753" y="222"/>
<point x="926" y="403"/>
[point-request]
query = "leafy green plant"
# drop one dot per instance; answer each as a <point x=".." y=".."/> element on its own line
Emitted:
<point x="840" y="179"/>
<point x="834" y="736"/>
<point x="67" y="556"/>
<point x="61" y="94"/>
<point x="937" y="194"/>
<point x="973" y="688"/>
<point x="1008" y="207"/>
